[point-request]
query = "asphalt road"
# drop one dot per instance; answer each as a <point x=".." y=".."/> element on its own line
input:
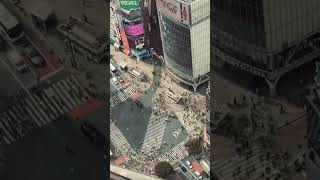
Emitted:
<point x="42" y="155"/>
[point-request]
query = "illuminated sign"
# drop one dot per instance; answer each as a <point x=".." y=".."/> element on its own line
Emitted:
<point x="129" y="4"/>
<point x="134" y="30"/>
<point x="125" y="41"/>
<point x="185" y="18"/>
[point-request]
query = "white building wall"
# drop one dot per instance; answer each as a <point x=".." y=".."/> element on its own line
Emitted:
<point x="200" y="46"/>
<point x="199" y="9"/>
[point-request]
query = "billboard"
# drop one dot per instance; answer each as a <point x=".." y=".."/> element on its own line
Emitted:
<point x="134" y="30"/>
<point x="136" y="42"/>
<point x="129" y="4"/>
<point x="125" y="41"/>
<point x="185" y="15"/>
<point x="170" y="8"/>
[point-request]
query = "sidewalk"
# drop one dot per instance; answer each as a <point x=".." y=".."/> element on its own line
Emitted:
<point x="130" y="174"/>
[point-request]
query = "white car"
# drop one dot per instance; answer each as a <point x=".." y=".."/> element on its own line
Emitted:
<point x="114" y="79"/>
<point x="189" y="164"/>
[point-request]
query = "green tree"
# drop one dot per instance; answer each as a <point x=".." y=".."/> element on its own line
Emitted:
<point x="163" y="170"/>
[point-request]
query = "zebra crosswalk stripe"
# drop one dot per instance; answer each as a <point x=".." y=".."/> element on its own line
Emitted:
<point x="49" y="105"/>
<point x="74" y="91"/>
<point x="76" y="82"/>
<point x="35" y="113"/>
<point x="46" y="108"/>
<point x="64" y="100"/>
<point x="10" y="126"/>
<point x="66" y="94"/>
<point x="44" y="115"/>
<point x="8" y="129"/>
<point x="57" y="97"/>
<point x="50" y="98"/>
<point x="8" y="138"/>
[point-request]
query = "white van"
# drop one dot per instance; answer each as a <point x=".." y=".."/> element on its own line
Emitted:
<point x="17" y="60"/>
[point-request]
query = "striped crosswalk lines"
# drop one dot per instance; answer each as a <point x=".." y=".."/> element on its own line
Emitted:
<point x="175" y="154"/>
<point x="40" y="108"/>
<point x="120" y="142"/>
<point x="239" y="166"/>
<point x="122" y="95"/>
<point x="154" y="134"/>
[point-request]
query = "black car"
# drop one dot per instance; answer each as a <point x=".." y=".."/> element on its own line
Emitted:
<point x="204" y="174"/>
<point x="93" y="134"/>
<point x="139" y="104"/>
<point x="184" y="169"/>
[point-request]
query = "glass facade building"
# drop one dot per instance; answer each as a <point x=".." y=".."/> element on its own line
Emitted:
<point x="186" y="43"/>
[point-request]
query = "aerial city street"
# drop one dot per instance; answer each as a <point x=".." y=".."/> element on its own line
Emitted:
<point x="52" y="115"/>
<point x="265" y="107"/>
<point x="159" y="89"/>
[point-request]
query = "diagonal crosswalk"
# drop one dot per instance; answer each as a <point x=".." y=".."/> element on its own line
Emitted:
<point x="154" y="135"/>
<point x="120" y="142"/>
<point x="175" y="154"/>
<point x="41" y="108"/>
<point x="122" y="95"/>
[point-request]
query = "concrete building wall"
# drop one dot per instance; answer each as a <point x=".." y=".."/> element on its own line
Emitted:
<point x="200" y="37"/>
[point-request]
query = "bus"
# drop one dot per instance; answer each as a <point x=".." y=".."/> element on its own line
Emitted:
<point x="135" y="73"/>
<point x="10" y="27"/>
<point x="112" y="68"/>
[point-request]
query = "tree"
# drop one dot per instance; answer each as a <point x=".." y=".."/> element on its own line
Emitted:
<point x="164" y="170"/>
<point x="194" y="147"/>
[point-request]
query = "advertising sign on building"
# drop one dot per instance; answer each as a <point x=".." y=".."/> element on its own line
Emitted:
<point x="139" y="43"/>
<point x="129" y="4"/>
<point x="134" y="30"/>
<point x="170" y="8"/>
<point x="126" y="49"/>
<point x="185" y="18"/>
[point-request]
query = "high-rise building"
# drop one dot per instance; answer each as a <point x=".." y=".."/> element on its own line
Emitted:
<point x="185" y="34"/>
<point x="114" y="25"/>
<point x="267" y="38"/>
<point x="133" y="28"/>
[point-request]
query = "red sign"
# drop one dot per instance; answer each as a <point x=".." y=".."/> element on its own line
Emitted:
<point x="125" y="41"/>
<point x="185" y="13"/>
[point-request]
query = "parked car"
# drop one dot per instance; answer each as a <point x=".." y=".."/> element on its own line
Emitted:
<point x="204" y="174"/>
<point x="184" y="169"/>
<point x="189" y="164"/>
<point x="93" y="134"/>
<point x="17" y="60"/>
<point x="35" y="58"/>
<point x="199" y="175"/>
